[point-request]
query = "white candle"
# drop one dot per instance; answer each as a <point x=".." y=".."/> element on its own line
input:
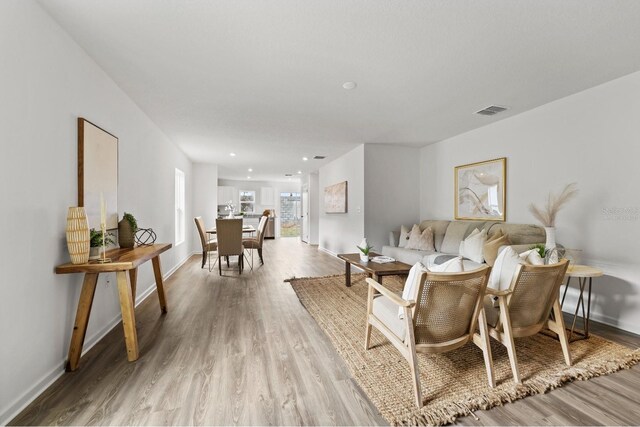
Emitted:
<point x="103" y="213"/>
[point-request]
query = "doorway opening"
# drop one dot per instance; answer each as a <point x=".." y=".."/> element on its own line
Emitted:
<point x="290" y="211"/>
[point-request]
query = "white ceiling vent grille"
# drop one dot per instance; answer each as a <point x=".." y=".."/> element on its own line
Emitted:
<point x="491" y="110"/>
<point x="319" y="157"/>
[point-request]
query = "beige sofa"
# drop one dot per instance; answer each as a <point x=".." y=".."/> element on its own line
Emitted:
<point x="448" y="235"/>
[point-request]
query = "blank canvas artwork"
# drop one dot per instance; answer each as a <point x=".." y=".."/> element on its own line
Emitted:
<point x="335" y="198"/>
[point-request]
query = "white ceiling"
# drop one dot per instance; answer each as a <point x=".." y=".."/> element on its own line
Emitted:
<point x="264" y="79"/>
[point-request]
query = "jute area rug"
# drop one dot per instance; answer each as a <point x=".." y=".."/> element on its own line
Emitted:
<point x="453" y="384"/>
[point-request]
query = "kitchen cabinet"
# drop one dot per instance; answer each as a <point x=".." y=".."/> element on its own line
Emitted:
<point x="226" y="193"/>
<point x="267" y="196"/>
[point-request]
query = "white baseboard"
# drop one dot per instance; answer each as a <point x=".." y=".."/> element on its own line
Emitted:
<point x="327" y="251"/>
<point x="50" y="377"/>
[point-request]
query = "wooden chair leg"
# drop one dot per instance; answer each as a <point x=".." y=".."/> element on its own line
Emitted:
<point x="227" y="261"/>
<point x="412" y="357"/>
<point x="260" y="255"/>
<point x="219" y="265"/>
<point x="204" y="258"/>
<point x="367" y="334"/>
<point x="485" y="345"/>
<point x="558" y="327"/>
<point x="508" y="338"/>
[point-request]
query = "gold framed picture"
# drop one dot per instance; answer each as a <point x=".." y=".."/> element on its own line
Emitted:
<point x="480" y="190"/>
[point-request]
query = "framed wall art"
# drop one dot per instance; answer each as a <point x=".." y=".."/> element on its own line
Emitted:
<point x="335" y="198"/>
<point x="480" y="190"/>
<point x="97" y="173"/>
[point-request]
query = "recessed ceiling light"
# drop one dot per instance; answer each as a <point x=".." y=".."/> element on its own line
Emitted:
<point x="232" y="154"/>
<point x="248" y="177"/>
<point x="304" y="159"/>
<point x="299" y="172"/>
<point x="250" y="170"/>
<point x="349" y="85"/>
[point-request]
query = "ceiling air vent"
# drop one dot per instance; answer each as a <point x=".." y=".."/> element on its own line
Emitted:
<point x="319" y="157"/>
<point x="288" y="174"/>
<point x="491" y="110"/>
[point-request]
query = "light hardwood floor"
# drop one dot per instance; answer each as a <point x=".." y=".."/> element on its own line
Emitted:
<point x="243" y="350"/>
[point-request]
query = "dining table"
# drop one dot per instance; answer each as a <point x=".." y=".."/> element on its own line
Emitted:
<point x="245" y="229"/>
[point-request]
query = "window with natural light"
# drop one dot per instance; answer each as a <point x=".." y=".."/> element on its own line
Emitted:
<point x="180" y="207"/>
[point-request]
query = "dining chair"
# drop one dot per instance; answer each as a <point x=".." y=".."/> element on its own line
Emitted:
<point x="208" y="245"/>
<point x="444" y="316"/>
<point x="229" y="233"/>
<point x="525" y="308"/>
<point x="255" y="243"/>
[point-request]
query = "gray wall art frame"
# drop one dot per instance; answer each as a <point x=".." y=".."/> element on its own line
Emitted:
<point x="480" y="190"/>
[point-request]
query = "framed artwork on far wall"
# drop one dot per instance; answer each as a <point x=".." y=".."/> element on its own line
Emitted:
<point x="480" y="190"/>
<point x="335" y="198"/>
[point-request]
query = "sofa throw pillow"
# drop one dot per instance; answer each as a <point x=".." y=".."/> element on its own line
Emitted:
<point x="409" y="293"/>
<point x="503" y="269"/>
<point x="493" y="245"/>
<point x="404" y="236"/>
<point x="454" y="265"/>
<point x="472" y="246"/>
<point x="421" y="240"/>
<point x="532" y="257"/>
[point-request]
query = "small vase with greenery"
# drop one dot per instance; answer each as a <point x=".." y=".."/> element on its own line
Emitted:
<point x="365" y="249"/>
<point x="95" y="241"/>
<point x="127" y="228"/>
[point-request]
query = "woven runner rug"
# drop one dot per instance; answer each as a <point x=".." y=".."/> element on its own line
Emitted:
<point x="454" y="384"/>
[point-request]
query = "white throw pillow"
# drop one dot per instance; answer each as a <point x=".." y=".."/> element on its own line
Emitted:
<point x="503" y="269"/>
<point x="532" y="257"/>
<point x="454" y="265"/>
<point x="421" y="240"/>
<point x="404" y="236"/>
<point x="409" y="293"/>
<point x="473" y="246"/>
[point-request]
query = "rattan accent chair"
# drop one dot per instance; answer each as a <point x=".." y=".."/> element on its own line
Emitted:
<point x="207" y="244"/>
<point x="525" y="308"/>
<point x="444" y="316"/>
<point x="256" y="242"/>
<point x="229" y="233"/>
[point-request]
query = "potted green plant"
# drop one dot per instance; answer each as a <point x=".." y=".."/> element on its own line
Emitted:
<point x="365" y="248"/>
<point x="127" y="228"/>
<point x="95" y="242"/>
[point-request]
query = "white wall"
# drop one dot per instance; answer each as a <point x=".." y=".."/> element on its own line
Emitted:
<point x="314" y="208"/>
<point x="339" y="233"/>
<point x="391" y="190"/>
<point x="591" y="138"/>
<point x="205" y="198"/>
<point x="46" y="82"/>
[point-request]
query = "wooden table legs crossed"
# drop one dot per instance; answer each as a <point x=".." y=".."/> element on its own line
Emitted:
<point x="124" y="260"/>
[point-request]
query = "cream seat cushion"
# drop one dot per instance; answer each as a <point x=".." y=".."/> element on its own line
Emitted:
<point x="385" y="310"/>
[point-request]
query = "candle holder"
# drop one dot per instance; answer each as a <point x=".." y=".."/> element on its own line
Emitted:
<point x="104" y="259"/>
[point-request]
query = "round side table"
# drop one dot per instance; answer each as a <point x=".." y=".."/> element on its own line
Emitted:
<point x="585" y="275"/>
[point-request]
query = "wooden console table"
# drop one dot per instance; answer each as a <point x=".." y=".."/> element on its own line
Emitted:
<point x="123" y="261"/>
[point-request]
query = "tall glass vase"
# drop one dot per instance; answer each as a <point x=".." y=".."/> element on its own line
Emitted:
<point x="78" y="235"/>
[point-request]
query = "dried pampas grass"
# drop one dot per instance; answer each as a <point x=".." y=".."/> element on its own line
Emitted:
<point x="547" y="215"/>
